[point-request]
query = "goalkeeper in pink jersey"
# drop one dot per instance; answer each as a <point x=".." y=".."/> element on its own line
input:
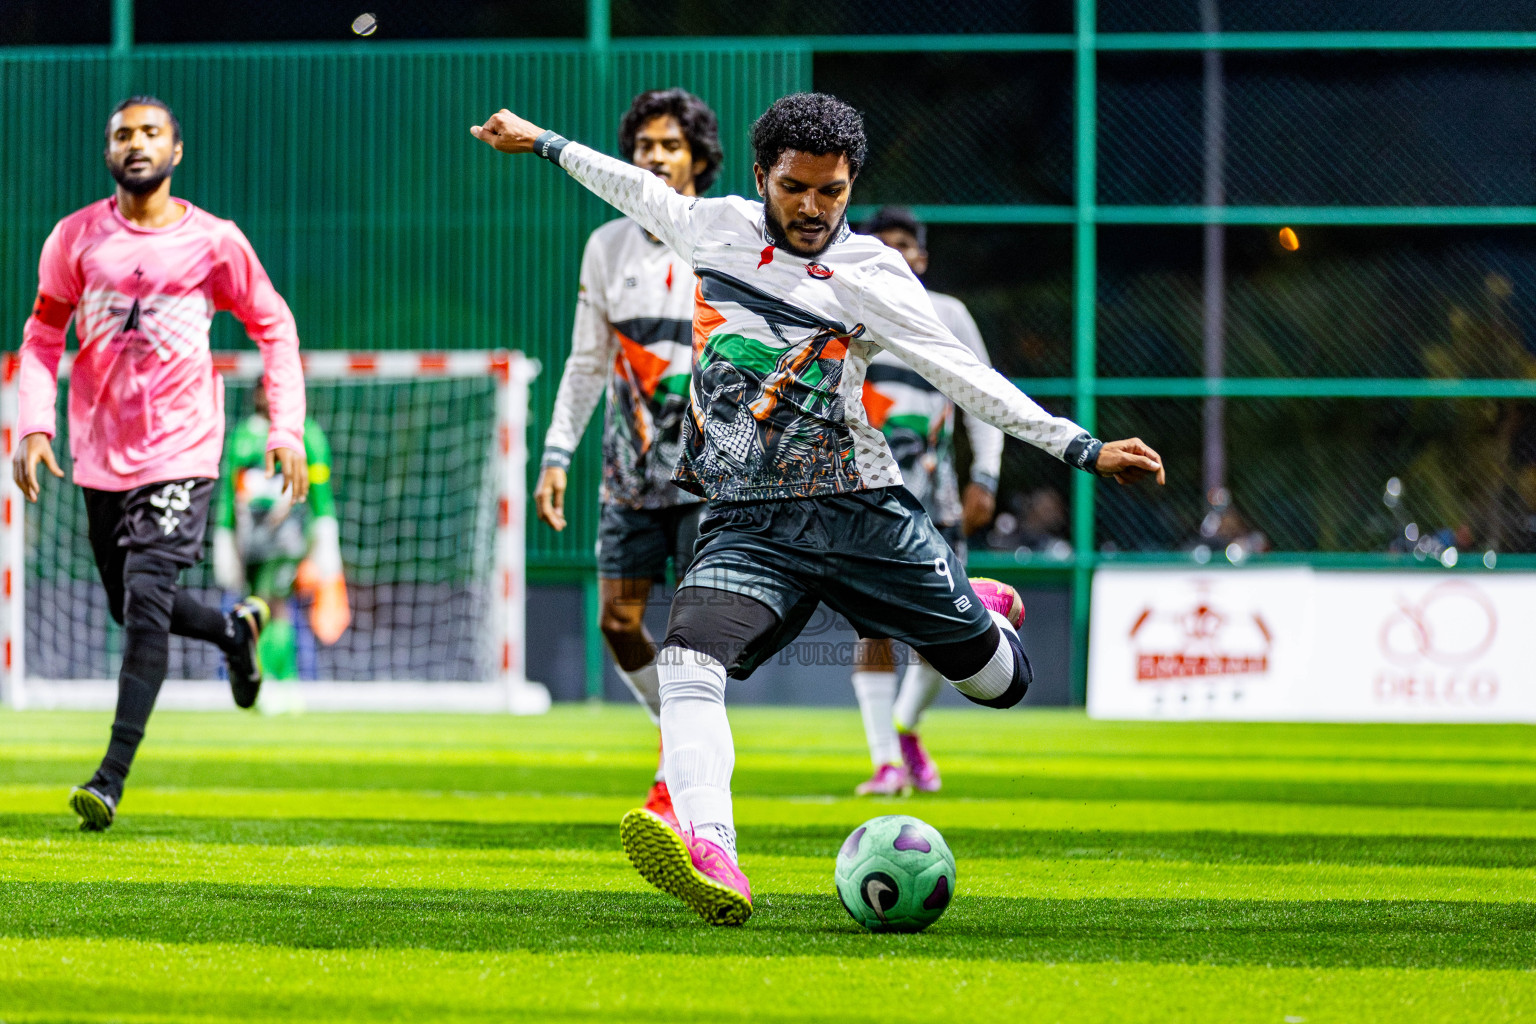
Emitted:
<point x="141" y="275"/>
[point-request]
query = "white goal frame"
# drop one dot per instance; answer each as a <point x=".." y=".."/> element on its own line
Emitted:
<point x="509" y="689"/>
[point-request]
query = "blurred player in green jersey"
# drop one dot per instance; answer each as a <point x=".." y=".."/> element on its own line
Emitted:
<point x="264" y="541"/>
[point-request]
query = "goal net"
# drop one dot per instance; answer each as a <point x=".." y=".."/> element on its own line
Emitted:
<point x="428" y="458"/>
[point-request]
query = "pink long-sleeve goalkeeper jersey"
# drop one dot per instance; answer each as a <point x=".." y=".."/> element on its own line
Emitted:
<point x="145" y="404"/>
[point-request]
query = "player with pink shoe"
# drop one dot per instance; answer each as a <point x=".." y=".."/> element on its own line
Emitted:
<point x="806" y="503"/>
<point x="918" y="422"/>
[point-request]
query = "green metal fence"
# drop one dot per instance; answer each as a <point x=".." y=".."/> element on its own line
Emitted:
<point x="1068" y="170"/>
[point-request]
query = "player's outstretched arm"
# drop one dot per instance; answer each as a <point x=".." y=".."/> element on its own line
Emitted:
<point x="507" y="132"/>
<point x="900" y="318"/>
<point x="34" y="448"/>
<point x="676" y="219"/>
<point x="1129" y="460"/>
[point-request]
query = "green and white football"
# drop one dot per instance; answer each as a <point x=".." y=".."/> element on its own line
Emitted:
<point x="895" y="874"/>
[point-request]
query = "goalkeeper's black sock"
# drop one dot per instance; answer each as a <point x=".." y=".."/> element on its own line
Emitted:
<point x="191" y="618"/>
<point x="146" y="657"/>
<point x="149" y="595"/>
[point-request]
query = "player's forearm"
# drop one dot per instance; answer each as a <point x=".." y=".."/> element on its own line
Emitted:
<point x="581" y="386"/>
<point x="982" y="392"/>
<point x="636" y="193"/>
<point x="986" y="451"/>
<point x="992" y="399"/>
<point x="42" y="347"/>
<point x="283" y="379"/>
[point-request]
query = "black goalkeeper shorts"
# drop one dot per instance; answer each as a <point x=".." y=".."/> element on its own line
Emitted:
<point x="168" y="518"/>
<point x="872" y="556"/>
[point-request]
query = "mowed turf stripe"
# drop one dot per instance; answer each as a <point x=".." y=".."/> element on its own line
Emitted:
<point x="125" y="981"/>
<point x="953" y="733"/>
<point x="791" y="778"/>
<point x="1188" y="765"/>
<point x="1402" y="934"/>
<point x="944" y="812"/>
<point x="815" y="840"/>
<point x="107" y="858"/>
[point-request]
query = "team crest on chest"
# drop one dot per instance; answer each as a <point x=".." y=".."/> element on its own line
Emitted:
<point x="818" y="271"/>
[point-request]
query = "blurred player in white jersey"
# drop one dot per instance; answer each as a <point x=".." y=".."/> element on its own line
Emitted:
<point x="633" y="338"/>
<point x="918" y="423"/>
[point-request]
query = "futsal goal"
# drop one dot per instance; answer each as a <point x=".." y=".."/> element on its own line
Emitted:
<point x="429" y="458"/>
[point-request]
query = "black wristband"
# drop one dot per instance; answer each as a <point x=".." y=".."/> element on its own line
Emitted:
<point x="1083" y="453"/>
<point x="550" y="145"/>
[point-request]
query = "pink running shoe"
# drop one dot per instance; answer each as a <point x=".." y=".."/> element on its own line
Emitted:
<point x="920" y="767"/>
<point x="680" y="864"/>
<point x="659" y="802"/>
<point x="1000" y="598"/>
<point x="888" y="780"/>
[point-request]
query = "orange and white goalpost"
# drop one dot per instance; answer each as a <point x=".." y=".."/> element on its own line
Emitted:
<point x="429" y="471"/>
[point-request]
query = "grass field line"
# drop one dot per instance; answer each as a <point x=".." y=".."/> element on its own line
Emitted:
<point x="147" y="981"/>
<point x="944" y="812"/>
<point x="954" y="734"/>
<point x="1026" y="766"/>
<point x="406" y="867"/>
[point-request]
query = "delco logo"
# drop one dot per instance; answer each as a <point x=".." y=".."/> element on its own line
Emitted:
<point x="1435" y="645"/>
<point x="818" y="271"/>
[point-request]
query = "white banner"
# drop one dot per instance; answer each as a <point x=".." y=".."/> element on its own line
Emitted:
<point x="1293" y="644"/>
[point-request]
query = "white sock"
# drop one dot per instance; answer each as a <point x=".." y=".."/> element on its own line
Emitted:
<point x="646" y="687"/>
<point x="919" y="689"/>
<point x="996" y="675"/>
<point x="877" y="695"/>
<point x="722" y="836"/>
<point x="696" y="743"/>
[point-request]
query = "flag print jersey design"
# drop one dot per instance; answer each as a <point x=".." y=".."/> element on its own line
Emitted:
<point x="781" y="346"/>
<point x="632" y="338"/>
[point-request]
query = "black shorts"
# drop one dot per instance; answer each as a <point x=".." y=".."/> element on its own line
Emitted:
<point x="635" y="543"/>
<point x="168" y="518"/>
<point x="872" y="556"/>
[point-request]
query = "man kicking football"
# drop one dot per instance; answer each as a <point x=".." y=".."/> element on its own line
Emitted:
<point x="806" y="502"/>
<point x="141" y="274"/>
<point x="633" y="336"/>
<point x="918" y="423"/>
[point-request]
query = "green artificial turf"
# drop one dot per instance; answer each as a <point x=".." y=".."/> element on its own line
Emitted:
<point x="336" y="868"/>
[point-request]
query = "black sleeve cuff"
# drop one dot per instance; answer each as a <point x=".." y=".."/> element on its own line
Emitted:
<point x="559" y="458"/>
<point x="550" y="145"/>
<point x="1083" y="453"/>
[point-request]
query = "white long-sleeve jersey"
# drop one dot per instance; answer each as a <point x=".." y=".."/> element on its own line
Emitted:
<point x="633" y="339"/>
<point x="781" y="345"/>
<point x="918" y="422"/>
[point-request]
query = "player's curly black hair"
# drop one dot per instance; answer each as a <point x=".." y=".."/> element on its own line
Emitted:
<point x="810" y="122"/>
<point x="148" y="101"/>
<point x="698" y="122"/>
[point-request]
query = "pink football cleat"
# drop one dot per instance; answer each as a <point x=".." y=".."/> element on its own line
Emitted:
<point x="659" y="802"/>
<point x="920" y="767"/>
<point x="888" y="780"/>
<point x="1000" y="598"/>
<point x="681" y="864"/>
